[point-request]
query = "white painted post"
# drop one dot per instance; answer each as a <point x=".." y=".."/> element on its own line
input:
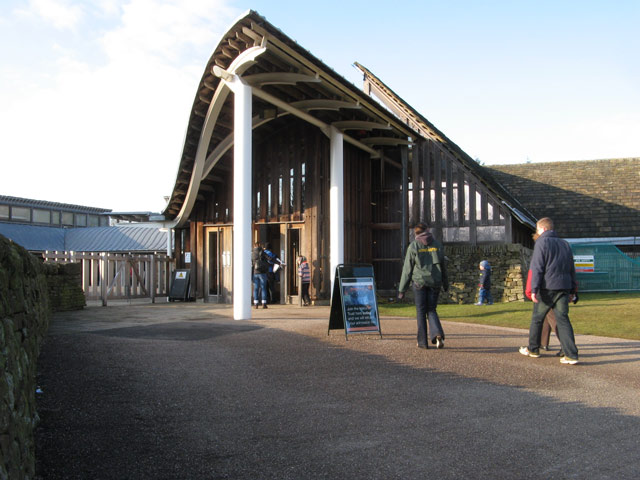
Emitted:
<point x="241" y="200"/>
<point x="336" y="202"/>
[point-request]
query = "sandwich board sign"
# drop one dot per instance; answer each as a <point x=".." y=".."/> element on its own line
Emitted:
<point x="180" y="286"/>
<point x="354" y="307"/>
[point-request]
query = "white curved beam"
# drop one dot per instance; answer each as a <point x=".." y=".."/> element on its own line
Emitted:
<point x="239" y="65"/>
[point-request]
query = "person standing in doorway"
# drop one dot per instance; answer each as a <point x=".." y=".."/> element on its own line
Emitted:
<point x="272" y="275"/>
<point x="259" y="269"/>
<point x="425" y="269"/>
<point x="553" y="286"/>
<point x="304" y="272"/>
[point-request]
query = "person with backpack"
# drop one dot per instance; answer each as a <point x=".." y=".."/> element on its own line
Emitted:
<point x="425" y="269"/>
<point x="259" y="269"/>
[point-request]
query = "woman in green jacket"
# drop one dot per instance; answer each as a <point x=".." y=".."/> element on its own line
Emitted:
<point x="424" y="268"/>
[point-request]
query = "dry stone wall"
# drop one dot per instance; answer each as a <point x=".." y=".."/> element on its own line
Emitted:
<point x="24" y="317"/>
<point x="509" y="265"/>
<point x="64" y="285"/>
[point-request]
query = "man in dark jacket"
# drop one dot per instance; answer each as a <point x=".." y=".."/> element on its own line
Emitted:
<point x="424" y="268"/>
<point x="259" y="269"/>
<point x="553" y="286"/>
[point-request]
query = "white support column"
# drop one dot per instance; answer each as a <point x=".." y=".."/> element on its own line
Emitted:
<point x="241" y="200"/>
<point x="336" y="202"/>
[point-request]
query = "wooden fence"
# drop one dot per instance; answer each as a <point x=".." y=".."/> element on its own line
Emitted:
<point x="118" y="276"/>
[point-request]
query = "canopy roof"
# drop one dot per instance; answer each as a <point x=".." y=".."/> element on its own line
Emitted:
<point x="285" y="80"/>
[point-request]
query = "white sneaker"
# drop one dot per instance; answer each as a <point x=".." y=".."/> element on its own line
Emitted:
<point x="439" y="342"/>
<point x="528" y="353"/>
<point x="568" y="361"/>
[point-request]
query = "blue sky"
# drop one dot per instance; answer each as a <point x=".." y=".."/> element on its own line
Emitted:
<point x="95" y="94"/>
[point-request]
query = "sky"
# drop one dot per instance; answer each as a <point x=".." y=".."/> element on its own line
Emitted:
<point x="95" y="94"/>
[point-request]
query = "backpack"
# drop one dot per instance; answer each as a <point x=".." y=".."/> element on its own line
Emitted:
<point x="259" y="261"/>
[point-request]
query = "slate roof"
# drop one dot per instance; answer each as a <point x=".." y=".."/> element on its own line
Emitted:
<point x="121" y="238"/>
<point x="68" y="207"/>
<point x="34" y="238"/>
<point x="586" y="199"/>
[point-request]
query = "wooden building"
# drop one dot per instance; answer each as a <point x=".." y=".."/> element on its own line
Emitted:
<point x="301" y="158"/>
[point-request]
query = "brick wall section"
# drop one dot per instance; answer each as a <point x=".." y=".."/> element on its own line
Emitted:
<point x="593" y="198"/>
<point x="24" y="317"/>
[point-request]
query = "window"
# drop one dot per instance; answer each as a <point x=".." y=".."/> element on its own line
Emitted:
<point x="81" y="220"/>
<point x="93" y="221"/>
<point x="41" y="216"/>
<point x="4" y="211"/>
<point x="21" y="213"/>
<point x="291" y="189"/>
<point x="55" y="218"/>
<point x="67" y="218"/>
<point x="303" y="179"/>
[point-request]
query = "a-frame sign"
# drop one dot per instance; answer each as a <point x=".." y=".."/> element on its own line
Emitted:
<point x="354" y="307"/>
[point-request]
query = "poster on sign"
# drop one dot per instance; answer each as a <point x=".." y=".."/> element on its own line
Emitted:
<point x="353" y="303"/>
<point x="359" y="305"/>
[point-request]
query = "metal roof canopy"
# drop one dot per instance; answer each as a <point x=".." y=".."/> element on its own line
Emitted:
<point x="285" y="80"/>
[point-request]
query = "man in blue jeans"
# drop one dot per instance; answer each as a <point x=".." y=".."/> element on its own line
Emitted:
<point x="259" y="269"/>
<point x="424" y="268"/>
<point x="553" y="286"/>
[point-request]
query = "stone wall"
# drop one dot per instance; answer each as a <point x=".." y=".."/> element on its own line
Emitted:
<point x="64" y="282"/>
<point x="509" y="265"/>
<point x="24" y="317"/>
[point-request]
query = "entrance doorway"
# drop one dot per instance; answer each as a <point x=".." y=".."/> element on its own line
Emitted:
<point x="218" y="273"/>
<point x="293" y="252"/>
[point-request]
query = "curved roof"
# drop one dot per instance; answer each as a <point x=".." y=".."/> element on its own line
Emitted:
<point x="285" y="80"/>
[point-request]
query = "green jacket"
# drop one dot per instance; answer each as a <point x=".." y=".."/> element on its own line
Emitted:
<point x="424" y="264"/>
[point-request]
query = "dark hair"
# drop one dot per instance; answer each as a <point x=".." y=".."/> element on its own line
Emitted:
<point x="420" y="227"/>
<point x="267" y="246"/>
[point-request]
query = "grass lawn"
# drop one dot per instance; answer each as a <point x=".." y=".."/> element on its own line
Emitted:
<point x="604" y="314"/>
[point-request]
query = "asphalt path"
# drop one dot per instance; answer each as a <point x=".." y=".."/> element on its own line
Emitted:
<point x="182" y="391"/>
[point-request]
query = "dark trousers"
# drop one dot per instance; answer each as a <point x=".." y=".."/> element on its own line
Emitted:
<point x="271" y="285"/>
<point x="306" y="299"/>
<point x="558" y="301"/>
<point x="426" y="304"/>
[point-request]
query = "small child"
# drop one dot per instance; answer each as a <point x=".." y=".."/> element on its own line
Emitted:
<point x="485" y="284"/>
<point x="304" y="272"/>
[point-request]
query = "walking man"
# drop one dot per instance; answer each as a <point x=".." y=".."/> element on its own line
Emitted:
<point x="424" y="268"/>
<point x="553" y="286"/>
